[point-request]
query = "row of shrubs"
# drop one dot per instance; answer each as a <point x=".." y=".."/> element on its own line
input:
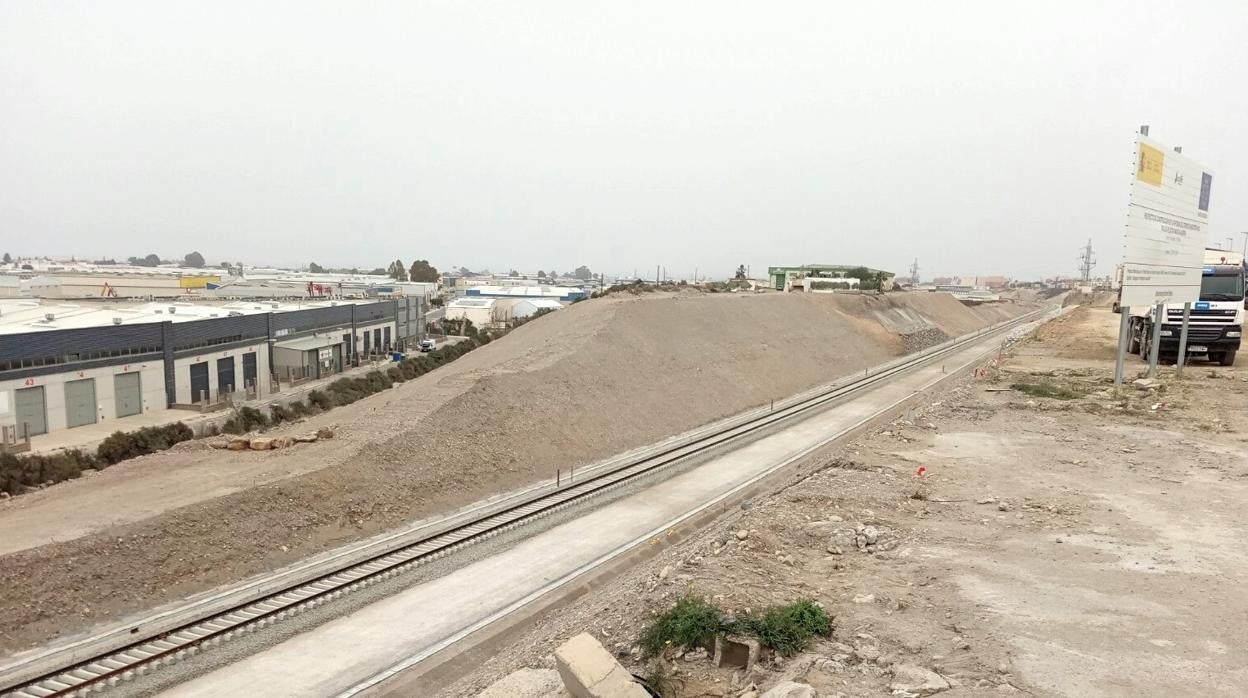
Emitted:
<point x="20" y="472"/>
<point x="345" y="391"/>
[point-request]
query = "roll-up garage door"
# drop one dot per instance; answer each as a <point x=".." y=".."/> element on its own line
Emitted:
<point x="128" y="390"/>
<point x="80" y="402"/>
<point x="32" y="411"/>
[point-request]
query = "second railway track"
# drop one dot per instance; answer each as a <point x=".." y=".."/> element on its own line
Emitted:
<point x="88" y="667"/>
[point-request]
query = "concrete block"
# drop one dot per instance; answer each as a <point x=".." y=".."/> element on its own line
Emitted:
<point x="736" y="651"/>
<point x="526" y="683"/>
<point x="589" y="671"/>
<point x="790" y="689"/>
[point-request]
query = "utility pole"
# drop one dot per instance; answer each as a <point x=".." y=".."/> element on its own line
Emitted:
<point x="914" y="272"/>
<point x="1245" y="252"/>
<point x="1086" y="261"/>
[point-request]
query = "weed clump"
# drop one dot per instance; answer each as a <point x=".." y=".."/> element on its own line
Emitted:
<point x="692" y="622"/>
<point x="1047" y="390"/>
<point x="787" y="629"/>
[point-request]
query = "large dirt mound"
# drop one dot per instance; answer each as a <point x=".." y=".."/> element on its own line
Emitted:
<point x="590" y="381"/>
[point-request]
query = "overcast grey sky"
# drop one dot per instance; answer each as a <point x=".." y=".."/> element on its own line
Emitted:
<point x="980" y="137"/>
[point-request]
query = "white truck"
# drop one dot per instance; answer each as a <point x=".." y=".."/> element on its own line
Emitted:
<point x="1215" y="324"/>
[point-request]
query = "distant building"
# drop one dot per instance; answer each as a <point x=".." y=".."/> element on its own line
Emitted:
<point x="565" y="294"/>
<point x="787" y="278"/>
<point x="993" y="282"/>
<point x="497" y="312"/>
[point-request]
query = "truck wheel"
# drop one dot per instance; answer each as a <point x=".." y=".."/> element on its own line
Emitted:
<point x="1227" y="359"/>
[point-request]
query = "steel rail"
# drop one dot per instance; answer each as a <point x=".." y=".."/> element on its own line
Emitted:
<point x="136" y="658"/>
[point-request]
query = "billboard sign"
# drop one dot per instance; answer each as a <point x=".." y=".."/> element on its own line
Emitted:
<point x="1167" y="218"/>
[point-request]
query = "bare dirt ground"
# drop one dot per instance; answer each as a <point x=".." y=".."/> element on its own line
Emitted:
<point x="1092" y="546"/>
<point x="593" y="380"/>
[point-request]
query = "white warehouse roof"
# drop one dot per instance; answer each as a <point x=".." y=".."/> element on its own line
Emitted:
<point x="18" y="316"/>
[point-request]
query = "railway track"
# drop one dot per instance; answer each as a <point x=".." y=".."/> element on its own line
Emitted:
<point x="92" y="666"/>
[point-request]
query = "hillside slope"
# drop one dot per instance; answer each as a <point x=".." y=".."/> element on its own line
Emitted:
<point x="590" y="381"/>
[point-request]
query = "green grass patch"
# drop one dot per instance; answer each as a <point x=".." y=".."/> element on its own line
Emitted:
<point x="692" y="622"/>
<point x="695" y="622"/>
<point x="787" y="629"/>
<point x="1047" y="390"/>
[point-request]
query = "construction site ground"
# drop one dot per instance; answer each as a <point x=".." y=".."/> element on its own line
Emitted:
<point x="1087" y="545"/>
<point x="591" y="381"/>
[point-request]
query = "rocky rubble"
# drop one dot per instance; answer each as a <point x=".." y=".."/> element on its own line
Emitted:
<point x="264" y="443"/>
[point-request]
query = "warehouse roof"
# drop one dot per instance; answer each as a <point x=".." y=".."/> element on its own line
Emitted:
<point x="27" y="315"/>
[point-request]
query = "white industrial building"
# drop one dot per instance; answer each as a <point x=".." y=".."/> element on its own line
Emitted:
<point x="64" y="365"/>
<point x="497" y="312"/>
<point x="85" y="281"/>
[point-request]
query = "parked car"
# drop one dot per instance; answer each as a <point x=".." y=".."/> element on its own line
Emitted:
<point x="427" y="345"/>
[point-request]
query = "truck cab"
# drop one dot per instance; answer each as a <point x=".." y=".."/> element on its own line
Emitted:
<point x="1215" y="323"/>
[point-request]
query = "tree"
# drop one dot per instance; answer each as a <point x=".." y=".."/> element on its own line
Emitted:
<point x="583" y="273"/>
<point x="377" y="272"/>
<point x="541" y="274"/>
<point x="315" y="268"/>
<point x="149" y="261"/>
<point x="7" y="258"/>
<point x="193" y="260"/>
<point x="423" y="272"/>
<point x="740" y="272"/>
<point x="553" y="275"/>
<point x="513" y="273"/>
<point x="397" y="271"/>
<point x="867" y="279"/>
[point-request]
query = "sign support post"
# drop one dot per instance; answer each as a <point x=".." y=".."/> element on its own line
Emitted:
<point x="1154" y="349"/>
<point x="1124" y="329"/>
<point x="1178" y="366"/>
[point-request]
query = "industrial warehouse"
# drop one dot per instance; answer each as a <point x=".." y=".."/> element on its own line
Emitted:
<point x="69" y="365"/>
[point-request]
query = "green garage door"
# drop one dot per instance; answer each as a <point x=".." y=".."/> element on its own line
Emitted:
<point x="80" y="402"/>
<point x="128" y="391"/>
<point x="32" y="412"/>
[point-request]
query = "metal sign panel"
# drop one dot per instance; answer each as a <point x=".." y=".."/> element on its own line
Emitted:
<point x="1167" y="218"/>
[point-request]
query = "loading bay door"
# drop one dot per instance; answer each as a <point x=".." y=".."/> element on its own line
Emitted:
<point x="127" y="387"/>
<point x="225" y="375"/>
<point x="249" y="369"/>
<point x="32" y="411"/>
<point x="80" y="402"/>
<point x="199" y="382"/>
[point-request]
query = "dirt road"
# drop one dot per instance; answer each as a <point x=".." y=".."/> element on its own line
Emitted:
<point x="1092" y="546"/>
